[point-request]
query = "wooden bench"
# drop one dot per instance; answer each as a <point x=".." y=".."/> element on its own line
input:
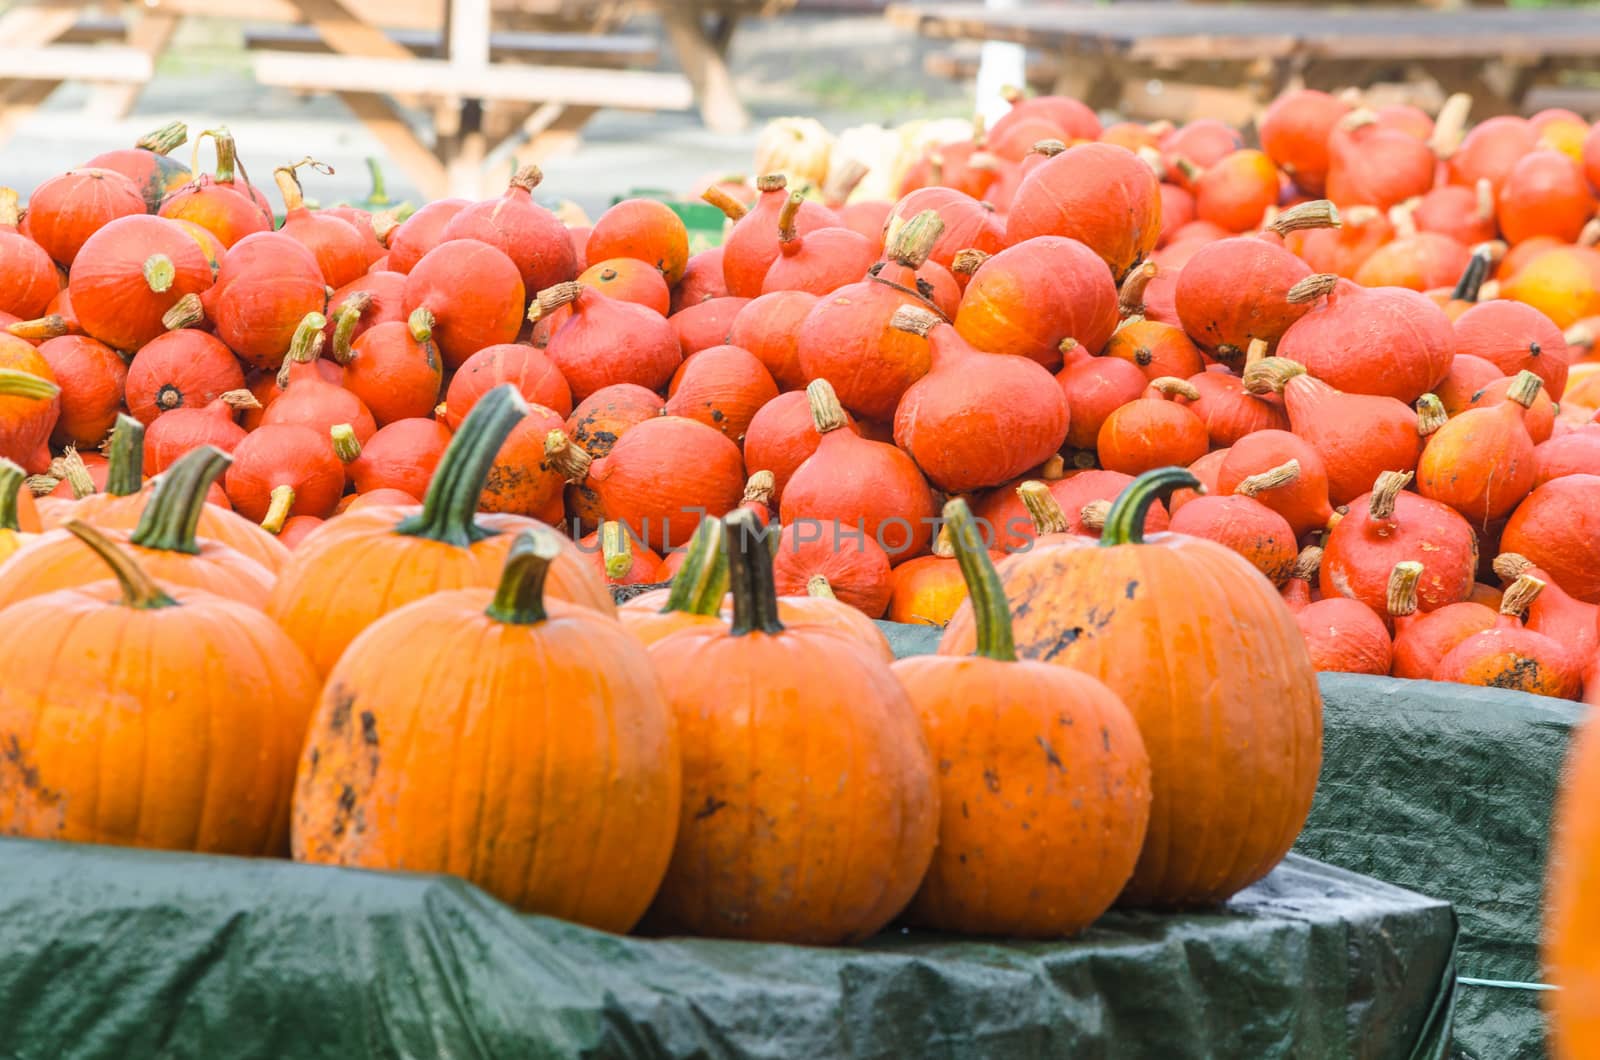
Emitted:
<point x="608" y="51"/>
<point x="1133" y="54"/>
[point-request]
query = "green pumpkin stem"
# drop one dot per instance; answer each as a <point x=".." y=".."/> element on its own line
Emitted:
<point x="519" y="600"/>
<point x="16" y="383"/>
<point x="449" y="510"/>
<point x="1125" y="523"/>
<point x="347" y="317"/>
<point x="125" y="457"/>
<point x="378" y="196"/>
<point x="702" y="581"/>
<point x="171" y="518"/>
<point x="990" y="609"/>
<point x="755" y="597"/>
<point x="227" y="154"/>
<point x="165" y="140"/>
<point x="304" y="347"/>
<point x="139" y="590"/>
<point x="11" y="479"/>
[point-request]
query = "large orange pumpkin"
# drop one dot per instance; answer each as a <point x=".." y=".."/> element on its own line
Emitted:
<point x="554" y="746"/>
<point x="164" y="543"/>
<point x="138" y="716"/>
<point x="1044" y="783"/>
<point x="363" y="564"/>
<point x="1198" y="644"/>
<point x="809" y="808"/>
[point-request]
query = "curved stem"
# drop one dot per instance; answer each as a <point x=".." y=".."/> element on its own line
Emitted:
<point x="125" y="457"/>
<point x="139" y="590"/>
<point x="305" y="347"/>
<point x="449" y="510"/>
<point x="70" y="467"/>
<point x="914" y="241"/>
<point x="186" y="312"/>
<point x="788" y="231"/>
<point x="990" y="610"/>
<point x="731" y="208"/>
<point x="171" y="518"/>
<point x="47" y="327"/>
<point x="379" y="194"/>
<point x="348" y="317"/>
<point x="346" y="446"/>
<point x="1125" y="523"/>
<point x="227" y="154"/>
<point x="702" y="581"/>
<point x="420" y="324"/>
<point x="16" y="383"/>
<point x="11" y="479"/>
<point x="755" y="597"/>
<point x="519" y="599"/>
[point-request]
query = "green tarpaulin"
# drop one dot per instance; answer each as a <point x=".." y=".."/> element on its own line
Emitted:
<point x="122" y="954"/>
<point x="1446" y="790"/>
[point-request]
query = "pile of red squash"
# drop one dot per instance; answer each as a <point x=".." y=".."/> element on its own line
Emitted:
<point x="1369" y="338"/>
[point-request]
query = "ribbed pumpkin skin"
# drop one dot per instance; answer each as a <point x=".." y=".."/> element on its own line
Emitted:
<point x="1572" y="901"/>
<point x="809" y="805"/>
<point x="354" y="569"/>
<point x="1044" y="796"/>
<point x="205" y="762"/>
<point x="552" y="746"/>
<point x="57" y="560"/>
<point x="1210" y="662"/>
<point x="216" y="523"/>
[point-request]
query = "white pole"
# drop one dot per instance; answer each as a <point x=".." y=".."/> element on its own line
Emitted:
<point x="999" y="65"/>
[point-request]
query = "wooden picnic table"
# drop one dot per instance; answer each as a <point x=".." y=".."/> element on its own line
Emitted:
<point x="488" y="75"/>
<point x="1495" y="54"/>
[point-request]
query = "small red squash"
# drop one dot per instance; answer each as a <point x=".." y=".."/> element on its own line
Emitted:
<point x="769" y="327"/>
<point x="607" y="341"/>
<point x="863" y="486"/>
<point x="30" y="276"/>
<point x="752" y="246"/>
<point x="1509" y="655"/>
<point x="340" y="249"/>
<point x="1245" y="525"/>
<point x="1102" y="195"/>
<point x="394" y="369"/>
<point x="1369" y="340"/>
<point x="644" y="229"/>
<point x="1389" y="526"/>
<point x="818" y="262"/>
<point x="91" y="377"/>
<point x="1558" y="529"/>
<point x="67" y="209"/>
<point x="284" y="470"/>
<point x="976" y="419"/>
<point x="723" y="387"/>
<point x="1481" y="462"/>
<point x="474" y="294"/>
<point x="181" y="369"/>
<point x="1154" y="431"/>
<point x="531" y="236"/>
<point x="129" y="273"/>
<point x="183" y="430"/>
<point x="1031" y="297"/>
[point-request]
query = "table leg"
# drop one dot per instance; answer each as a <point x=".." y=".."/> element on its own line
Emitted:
<point x="390" y="129"/>
<point x="705" y="67"/>
<point x="1088" y="79"/>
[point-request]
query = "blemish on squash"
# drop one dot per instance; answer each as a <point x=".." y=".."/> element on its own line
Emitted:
<point x="339" y="717"/>
<point x="1132" y="587"/>
<point x="1050" y="755"/>
<point x="991" y="780"/>
<point x="369" y="728"/>
<point x="344" y="810"/>
<point x="711" y="806"/>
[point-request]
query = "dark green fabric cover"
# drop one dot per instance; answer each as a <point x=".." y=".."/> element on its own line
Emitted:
<point x="1446" y="790"/>
<point x="122" y="955"/>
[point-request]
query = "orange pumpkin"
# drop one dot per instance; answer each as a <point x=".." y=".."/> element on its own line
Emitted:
<point x="555" y="745"/>
<point x="164" y="543"/>
<point x="1044" y="782"/>
<point x="832" y="791"/>
<point x="1572" y="905"/>
<point x="147" y="717"/>
<point x="696" y="594"/>
<point x="361" y="565"/>
<point x="1193" y="639"/>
